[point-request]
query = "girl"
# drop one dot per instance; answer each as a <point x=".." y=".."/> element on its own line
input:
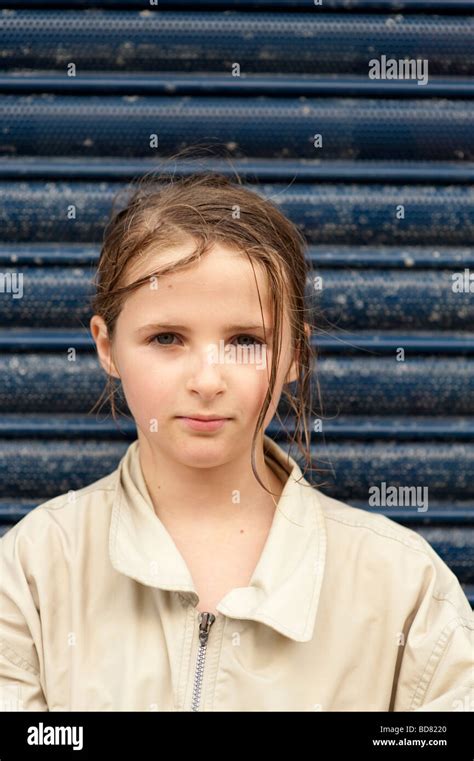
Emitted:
<point x="206" y="573"/>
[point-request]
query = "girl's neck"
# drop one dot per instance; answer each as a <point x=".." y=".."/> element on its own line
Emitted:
<point x="209" y="499"/>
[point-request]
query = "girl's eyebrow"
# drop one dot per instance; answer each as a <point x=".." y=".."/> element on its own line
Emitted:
<point x="227" y="328"/>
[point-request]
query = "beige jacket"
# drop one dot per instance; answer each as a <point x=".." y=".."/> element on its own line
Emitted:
<point x="346" y="610"/>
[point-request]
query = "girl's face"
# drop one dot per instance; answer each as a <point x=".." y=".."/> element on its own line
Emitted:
<point x="199" y="368"/>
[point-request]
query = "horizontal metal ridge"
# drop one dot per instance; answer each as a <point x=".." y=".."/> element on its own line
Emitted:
<point x="390" y="341"/>
<point x="50" y="254"/>
<point x="380" y="427"/>
<point x="177" y="83"/>
<point x="409" y="257"/>
<point x="345" y="6"/>
<point x="67" y="425"/>
<point x="252" y="169"/>
<point x="320" y="256"/>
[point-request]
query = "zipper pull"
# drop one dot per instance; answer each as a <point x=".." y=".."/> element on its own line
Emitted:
<point x="205" y="622"/>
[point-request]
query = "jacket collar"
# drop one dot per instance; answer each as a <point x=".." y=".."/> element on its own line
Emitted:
<point x="285" y="586"/>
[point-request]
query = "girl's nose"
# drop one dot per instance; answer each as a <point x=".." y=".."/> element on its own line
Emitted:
<point x="206" y="373"/>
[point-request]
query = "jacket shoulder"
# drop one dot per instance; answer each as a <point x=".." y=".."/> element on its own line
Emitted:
<point x="65" y="509"/>
<point x="347" y="518"/>
<point x="398" y="551"/>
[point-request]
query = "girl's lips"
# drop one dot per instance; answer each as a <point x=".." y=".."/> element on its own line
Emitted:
<point x="203" y="425"/>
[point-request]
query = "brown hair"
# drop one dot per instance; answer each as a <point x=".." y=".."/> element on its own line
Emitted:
<point x="163" y="210"/>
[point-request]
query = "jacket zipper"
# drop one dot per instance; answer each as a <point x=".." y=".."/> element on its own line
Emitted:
<point x="205" y="622"/>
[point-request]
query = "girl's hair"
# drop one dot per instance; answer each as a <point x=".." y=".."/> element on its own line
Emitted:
<point x="163" y="211"/>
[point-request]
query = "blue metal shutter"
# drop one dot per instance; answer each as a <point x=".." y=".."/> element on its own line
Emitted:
<point x="73" y="141"/>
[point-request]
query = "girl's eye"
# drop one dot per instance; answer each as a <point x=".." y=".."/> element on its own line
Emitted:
<point x="253" y="339"/>
<point x="160" y="335"/>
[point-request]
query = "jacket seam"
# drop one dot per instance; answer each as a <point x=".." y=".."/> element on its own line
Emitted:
<point x="434" y="660"/>
<point x="45" y="506"/>
<point x="448" y="600"/>
<point x="400" y="540"/>
<point x="16" y="659"/>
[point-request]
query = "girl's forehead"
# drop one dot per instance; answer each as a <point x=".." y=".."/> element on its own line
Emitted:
<point x="221" y="264"/>
<point x="221" y="282"/>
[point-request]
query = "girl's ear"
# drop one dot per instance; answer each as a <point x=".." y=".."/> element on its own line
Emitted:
<point x="292" y="374"/>
<point x="104" y="346"/>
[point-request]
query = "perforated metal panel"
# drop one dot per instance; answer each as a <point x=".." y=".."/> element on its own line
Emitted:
<point x="387" y="280"/>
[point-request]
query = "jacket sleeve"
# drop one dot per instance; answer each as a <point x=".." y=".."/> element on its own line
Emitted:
<point x="20" y="629"/>
<point x="437" y="665"/>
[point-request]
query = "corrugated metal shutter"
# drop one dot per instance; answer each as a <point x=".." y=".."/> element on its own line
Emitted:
<point x="72" y="141"/>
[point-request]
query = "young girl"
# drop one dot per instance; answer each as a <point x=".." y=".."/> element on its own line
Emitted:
<point x="206" y="573"/>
